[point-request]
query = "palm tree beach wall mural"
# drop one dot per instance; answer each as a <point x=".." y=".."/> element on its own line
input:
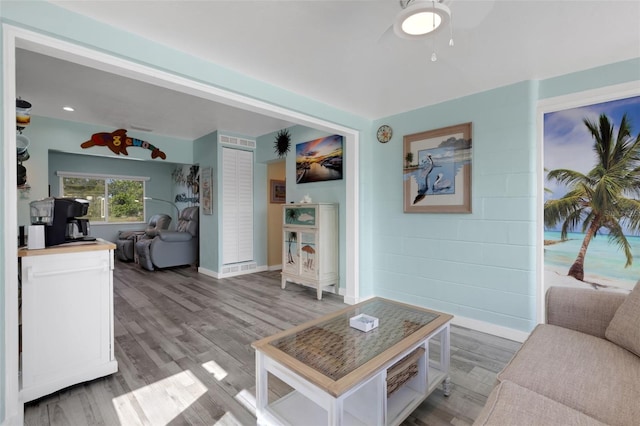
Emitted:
<point x="592" y="195"/>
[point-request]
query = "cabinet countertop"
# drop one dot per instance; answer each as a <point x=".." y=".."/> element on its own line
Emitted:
<point x="99" y="244"/>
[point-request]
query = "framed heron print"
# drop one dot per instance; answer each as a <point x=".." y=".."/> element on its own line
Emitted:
<point x="437" y="170"/>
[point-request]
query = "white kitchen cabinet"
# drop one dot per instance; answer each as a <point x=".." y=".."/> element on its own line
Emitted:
<point x="67" y="317"/>
<point x="310" y="246"/>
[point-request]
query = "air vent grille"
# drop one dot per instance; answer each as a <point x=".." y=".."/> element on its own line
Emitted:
<point x="238" y="269"/>
<point x="232" y="140"/>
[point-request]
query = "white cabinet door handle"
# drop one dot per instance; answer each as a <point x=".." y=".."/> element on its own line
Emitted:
<point x="31" y="274"/>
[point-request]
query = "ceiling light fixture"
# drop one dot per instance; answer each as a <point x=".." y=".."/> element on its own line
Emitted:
<point x="419" y="19"/>
<point x="68" y="108"/>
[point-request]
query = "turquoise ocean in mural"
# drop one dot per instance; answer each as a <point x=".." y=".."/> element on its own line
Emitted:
<point x="603" y="259"/>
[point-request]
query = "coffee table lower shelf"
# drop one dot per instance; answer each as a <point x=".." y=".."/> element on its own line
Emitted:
<point x="296" y="409"/>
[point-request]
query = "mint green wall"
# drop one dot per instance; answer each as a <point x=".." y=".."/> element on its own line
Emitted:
<point x="322" y="192"/>
<point x="260" y="201"/>
<point x="608" y="75"/>
<point x="205" y="154"/>
<point x="479" y="265"/>
<point x="158" y="186"/>
<point x="367" y="210"/>
<point x="66" y="136"/>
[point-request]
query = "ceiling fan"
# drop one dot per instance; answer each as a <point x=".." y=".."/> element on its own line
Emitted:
<point x="426" y="20"/>
<point x="419" y="19"/>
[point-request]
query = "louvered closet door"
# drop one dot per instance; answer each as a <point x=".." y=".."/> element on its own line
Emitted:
<point x="237" y="209"/>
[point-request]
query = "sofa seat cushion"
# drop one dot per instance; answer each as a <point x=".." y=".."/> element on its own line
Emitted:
<point x="511" y="404"/>
<point x="586" y="373"/>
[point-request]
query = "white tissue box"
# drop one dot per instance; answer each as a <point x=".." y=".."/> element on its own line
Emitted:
<point x="363" y="322"/>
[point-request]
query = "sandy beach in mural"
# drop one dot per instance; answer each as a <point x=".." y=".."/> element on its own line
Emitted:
<point x="558" y="277"/>
<point x="555" y="274"/>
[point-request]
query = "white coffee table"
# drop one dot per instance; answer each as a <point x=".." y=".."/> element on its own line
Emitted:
<point x="340" y="374"/>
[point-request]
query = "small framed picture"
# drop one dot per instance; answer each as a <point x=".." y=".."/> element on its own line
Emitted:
<point x="206" y="190"/>
<point x="278" y="191"/>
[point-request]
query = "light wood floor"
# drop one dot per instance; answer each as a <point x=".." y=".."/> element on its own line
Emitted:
<point x="183" y="345"/>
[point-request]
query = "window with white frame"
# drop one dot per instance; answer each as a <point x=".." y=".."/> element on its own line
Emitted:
<point x="112" y="199"/>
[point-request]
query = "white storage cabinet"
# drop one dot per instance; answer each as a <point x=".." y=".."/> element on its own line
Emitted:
<point x="67" y="318"/>
<point x="310" y="246"/>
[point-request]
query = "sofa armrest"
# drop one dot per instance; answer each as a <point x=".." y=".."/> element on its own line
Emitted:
<point x="174" y="236"/>
<point x="580" y="309"/>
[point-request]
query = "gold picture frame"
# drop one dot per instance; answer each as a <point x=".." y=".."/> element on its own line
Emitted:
<point x="437" y="170"/>
<point x="278" y="191"/>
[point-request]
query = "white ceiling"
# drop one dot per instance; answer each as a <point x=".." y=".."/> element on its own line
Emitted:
<point x="341" y="52"/>
<point x="108" y="99"/>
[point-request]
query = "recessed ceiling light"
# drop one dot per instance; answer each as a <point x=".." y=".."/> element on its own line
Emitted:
<point x="68" y="108"/>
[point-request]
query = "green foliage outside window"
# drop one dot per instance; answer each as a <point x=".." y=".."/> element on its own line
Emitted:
<point x="125" y="198"/>
<point x="125" y="201"/>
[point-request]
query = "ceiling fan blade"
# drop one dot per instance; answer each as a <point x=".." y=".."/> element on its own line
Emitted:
<point x="471" y="15"/>
<point x="386" y="35"/>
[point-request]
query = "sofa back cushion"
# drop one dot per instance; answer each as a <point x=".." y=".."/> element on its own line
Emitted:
<point x="624" y="328"/>
<point x="582" y="309"/>
<point x="188" y="221"/>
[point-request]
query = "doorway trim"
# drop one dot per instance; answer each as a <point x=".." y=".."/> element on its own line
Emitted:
<point x="14" y="37"/>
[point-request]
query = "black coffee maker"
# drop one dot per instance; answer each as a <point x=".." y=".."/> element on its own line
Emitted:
<point x="59" y="215"/>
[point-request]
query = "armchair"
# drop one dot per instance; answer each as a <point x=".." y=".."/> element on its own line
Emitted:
<point x="172" y="248"/>
<point x="126" y="239"/>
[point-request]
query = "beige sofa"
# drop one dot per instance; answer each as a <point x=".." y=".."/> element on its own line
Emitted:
<point x="580" y="368"/>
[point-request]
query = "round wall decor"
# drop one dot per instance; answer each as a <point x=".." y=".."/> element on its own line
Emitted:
<point x="384" y="133"/>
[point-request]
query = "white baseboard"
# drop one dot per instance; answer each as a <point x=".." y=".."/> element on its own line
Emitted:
<point x="353" y="300"/>
<point x="476" y="325"/>
<point x="16" y="420"/>
<point x="275" y="268"/>
<point x="207" y="272"/>
<point x="485" y="327"/>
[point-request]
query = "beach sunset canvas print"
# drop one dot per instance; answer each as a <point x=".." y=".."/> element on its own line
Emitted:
<point x="592" y="195"/>
<point x="319" y="160"/>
